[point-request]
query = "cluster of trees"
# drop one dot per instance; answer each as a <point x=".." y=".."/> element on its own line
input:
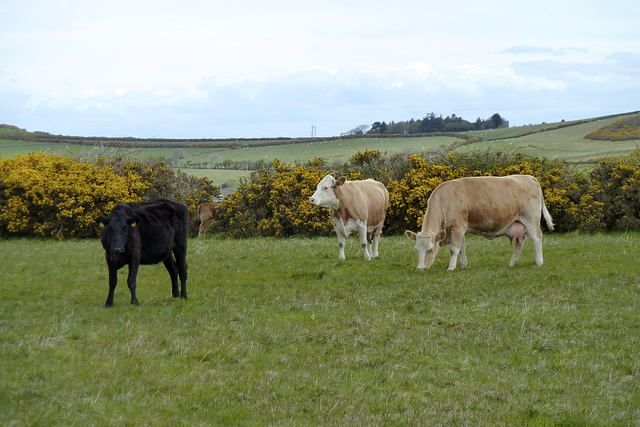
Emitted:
<point x="429" y="124"/>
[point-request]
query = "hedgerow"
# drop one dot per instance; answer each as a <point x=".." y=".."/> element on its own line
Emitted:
<point x="164" y="182"/>
<point x="48" y="195"/>
<point x="621" y="130"/>
<point x="613" y="200"/>
<point x="275" y="203"/>
<point x="409" y="195"/>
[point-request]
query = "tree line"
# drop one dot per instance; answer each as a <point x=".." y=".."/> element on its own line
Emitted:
<point x="429" y="124"/>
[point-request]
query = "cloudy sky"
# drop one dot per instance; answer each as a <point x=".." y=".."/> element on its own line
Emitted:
<point x="254" y="68"/>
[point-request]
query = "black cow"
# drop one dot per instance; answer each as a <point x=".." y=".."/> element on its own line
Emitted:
<point x="146" y="233"/>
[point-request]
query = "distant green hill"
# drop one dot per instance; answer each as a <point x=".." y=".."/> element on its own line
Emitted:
<point x="570" y="141"/>
<point x="622" y="130"/>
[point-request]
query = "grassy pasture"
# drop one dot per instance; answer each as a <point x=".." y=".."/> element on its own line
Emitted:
<point x="543" y="140"/>
<point x="568" y="143"/>
<point x="331" y="150"/>
<point x="282" y="332"/>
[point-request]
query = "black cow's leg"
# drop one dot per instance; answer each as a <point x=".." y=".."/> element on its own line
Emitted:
<point x="113" y="282"/>
<point x="131" y="281"/>
<point x="172" y="268"/>
<point x="181" y="260"/>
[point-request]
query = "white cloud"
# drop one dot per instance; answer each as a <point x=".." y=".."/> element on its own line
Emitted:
<point x="248" y="68"/>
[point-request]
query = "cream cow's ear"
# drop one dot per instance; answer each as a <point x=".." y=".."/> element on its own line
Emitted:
<point x="341" y="181"/>
<point x="442" y="234"/>
<point x="411" y="235"/>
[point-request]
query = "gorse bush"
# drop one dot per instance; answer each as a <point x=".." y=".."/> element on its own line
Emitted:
<point x="613" y="200"/>
<point x="44" y="195"/>
<point x="622" y="130"/>
<point x="48" y="195"/>
<point x="275" y="203"/>
<point x="164" y="182"/>
<point x="409" y="195"/>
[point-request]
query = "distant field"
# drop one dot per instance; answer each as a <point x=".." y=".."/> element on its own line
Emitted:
<point x="332" y="150"/>
<point x="567" y="143"/>
<point x="541" y="140"/>
<point x="218" y="176"/>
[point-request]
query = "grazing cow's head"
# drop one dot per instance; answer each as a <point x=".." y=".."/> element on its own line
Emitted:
<point x="324" y="195"/>
<point x="116" y="230"/>
<point x="427" y="245"/>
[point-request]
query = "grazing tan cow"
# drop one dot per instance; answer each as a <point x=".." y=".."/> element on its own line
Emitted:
<point x="491" y="206"/>
<point x="205" y="212"/>
<point x="354" y="206"/>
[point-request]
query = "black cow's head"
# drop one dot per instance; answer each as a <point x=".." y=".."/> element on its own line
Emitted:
<point x="116" y="230"/>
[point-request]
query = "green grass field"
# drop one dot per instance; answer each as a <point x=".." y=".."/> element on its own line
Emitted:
<point x="279" y="331"/>
<point x="568" y="143"/>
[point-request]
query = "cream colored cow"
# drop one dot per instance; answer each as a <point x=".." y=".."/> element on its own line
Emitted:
<point x="205" y="212"/>
<point x="354" y="206"/>
<point x="491" y="206"/>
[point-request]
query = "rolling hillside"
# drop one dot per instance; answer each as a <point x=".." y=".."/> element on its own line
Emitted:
<point x="234" y="158"/>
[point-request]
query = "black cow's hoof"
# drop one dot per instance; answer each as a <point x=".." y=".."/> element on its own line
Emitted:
<point x="108" y="304"/>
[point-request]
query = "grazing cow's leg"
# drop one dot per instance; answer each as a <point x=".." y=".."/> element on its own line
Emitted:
<point x="113" y="282"/>
<point x="457" y="240"/>
<point x="376" y="241"/>
<point x="131" y="280"/>
<point x="537" y="246"/>
<point x="534" y="231"/>
<point x="362" y="233"/>
<point x="516" y="234"/>
<point x="463" y="254"/>
<point x="342" y="239"/>
<point x="518" y="243"/>
<point x="517" y="249"/>
<point x="201" y="229"/>
<point x="181" y="261"/>
<point x="454" y="258"/>
<point x="172" y="268"/>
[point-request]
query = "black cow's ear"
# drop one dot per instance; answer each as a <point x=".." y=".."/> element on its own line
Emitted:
<point x="102" y="220"/>
<point x="133" y="220"/>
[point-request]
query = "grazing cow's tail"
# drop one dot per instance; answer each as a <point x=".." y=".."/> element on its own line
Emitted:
<point x="547" y="216"/>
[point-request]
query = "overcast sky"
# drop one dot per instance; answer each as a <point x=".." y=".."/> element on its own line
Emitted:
<point x="245" y="68"/>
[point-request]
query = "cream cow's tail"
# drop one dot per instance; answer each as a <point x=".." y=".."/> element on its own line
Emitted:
<point x="547" y="216"/>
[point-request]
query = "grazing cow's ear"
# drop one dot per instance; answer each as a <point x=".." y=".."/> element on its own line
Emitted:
<point x="341" y="181"/>
<point x="410" y="234"/>
<point x="102" y="220"/>
<point x="133" y="221"/>
<point x="332" y="174"/>
<point x="442" y="234"/>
